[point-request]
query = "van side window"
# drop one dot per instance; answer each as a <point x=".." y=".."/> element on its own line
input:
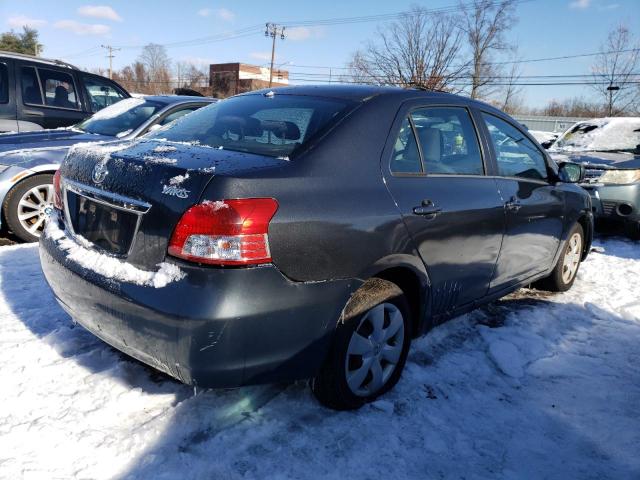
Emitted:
<point x="406" y="156"/>
<point x="448" y="141"/>
<point x="4" y="84"/>
<point x="517" y="156"/>
<point x="59" y="89"/>
<point x="101" y="93"/>
<point x="31" y="93"/>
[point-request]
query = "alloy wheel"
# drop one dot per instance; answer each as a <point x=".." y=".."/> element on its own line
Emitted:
<point x="33" y="208"/>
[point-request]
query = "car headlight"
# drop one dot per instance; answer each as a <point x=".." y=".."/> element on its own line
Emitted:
<point x="620" y="176"/>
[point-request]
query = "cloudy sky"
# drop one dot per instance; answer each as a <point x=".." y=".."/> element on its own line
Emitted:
<point x="210" y="32"/>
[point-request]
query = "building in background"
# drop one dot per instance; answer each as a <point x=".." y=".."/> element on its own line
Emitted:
<point x="226" y="79"/>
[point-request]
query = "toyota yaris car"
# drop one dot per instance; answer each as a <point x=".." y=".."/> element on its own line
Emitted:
<point x="308" y="233"/>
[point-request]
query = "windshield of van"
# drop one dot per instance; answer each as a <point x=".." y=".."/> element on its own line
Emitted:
<point x="121" y="118"/>
<point x="264" y="124"/>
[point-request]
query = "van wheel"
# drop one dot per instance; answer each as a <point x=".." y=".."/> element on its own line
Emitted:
<point x="565" y="271"/>
<point x="27" y="205"/>
<point x="369" y="350"/>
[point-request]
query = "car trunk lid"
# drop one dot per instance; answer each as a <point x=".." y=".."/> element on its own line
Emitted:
<point x="125" y="199"/>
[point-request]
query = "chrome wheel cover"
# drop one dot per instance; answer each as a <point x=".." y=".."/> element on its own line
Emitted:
<point x="374" y="350"/>
<point x="572" y="256"/>
<point x="33" y="208"/>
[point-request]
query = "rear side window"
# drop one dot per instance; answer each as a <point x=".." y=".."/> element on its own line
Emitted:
<point x="4" y="84"/>
<point x="101" y="93"/>
<point x="59" y="89"/>
<point x="31" y="93"/>
<point x="448" y="141"/>
<point x="406" y="156"/>
<point x="177" y="114"/>
<point x="272" y="125"/>
<point x="517" y="156"/>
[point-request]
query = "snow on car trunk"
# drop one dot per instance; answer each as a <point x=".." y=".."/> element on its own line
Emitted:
<point x="156" y="181"/>
<point x="535" y="385"/>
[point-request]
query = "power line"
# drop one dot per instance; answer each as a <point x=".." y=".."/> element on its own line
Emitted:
<point x="387" y="16"/>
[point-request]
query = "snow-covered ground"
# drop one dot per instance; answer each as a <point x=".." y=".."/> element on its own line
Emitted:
<point x="534" y="386"/>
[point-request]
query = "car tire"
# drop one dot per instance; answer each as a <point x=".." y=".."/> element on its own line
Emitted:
<point x="374" y="331"/>
<point x="564" y="273"/>
<point x="26" y="206"/>
<point x="632" y="229"/>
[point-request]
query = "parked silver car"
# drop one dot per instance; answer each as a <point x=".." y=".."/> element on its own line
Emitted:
<point x="28" y="160"/>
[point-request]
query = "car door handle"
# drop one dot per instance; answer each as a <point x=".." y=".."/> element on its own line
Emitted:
<point x="428" y="208"/>
<point x="513" y="205"/>
<point x="33" y="113"/>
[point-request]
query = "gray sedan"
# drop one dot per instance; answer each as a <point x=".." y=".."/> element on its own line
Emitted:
<point x="28" y="160"/>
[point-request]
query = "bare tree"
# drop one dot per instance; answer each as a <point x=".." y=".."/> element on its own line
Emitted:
<point x="614" y="70"/>
<point x="421" y="49"/>
<point x="157" y="64"/>
<point x="511" y="92"/>
<point x="485" y="23"/>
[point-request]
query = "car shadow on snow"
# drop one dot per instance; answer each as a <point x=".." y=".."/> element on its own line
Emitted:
<point x="483" y="393"/>
<point x="461" y="407"/>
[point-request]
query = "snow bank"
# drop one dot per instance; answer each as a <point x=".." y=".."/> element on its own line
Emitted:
<point x="73" y="407"/>
<point x="109" y="266"/>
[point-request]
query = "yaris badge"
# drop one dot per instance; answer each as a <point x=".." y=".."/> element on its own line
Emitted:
<point x="100" y="172"/>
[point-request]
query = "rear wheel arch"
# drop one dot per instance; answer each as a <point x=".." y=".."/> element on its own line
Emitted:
<point x="412" y="284"/>
<point x="587" y="230"/>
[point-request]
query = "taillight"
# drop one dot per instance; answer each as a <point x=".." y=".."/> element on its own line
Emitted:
<point x="227" y="232"/>
<point x="57" y="191"/>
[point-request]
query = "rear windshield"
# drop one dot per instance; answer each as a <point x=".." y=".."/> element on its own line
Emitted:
<point x="272" y="125"/>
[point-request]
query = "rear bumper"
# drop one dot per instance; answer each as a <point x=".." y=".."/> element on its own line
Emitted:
<point x="615" y="202"/>
<point x="214" y="327"/>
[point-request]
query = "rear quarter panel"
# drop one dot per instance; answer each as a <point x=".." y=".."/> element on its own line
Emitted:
<point x="335" y="219"/>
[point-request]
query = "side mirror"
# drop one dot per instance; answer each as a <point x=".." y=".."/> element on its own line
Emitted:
<point x="547" y="144"/>
<point x="569" y="172"/>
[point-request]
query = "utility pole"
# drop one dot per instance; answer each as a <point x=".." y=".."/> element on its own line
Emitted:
<point x="110" y="57"/>
<point x="611" y="88"/>
<point x="273" y="31"/>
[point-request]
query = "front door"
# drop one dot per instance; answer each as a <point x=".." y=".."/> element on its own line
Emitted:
<point x="534" y="208"/>
<point x="453" y="212"/>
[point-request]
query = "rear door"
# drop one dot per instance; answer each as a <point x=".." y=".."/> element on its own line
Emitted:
<point x="534" y="207"/>
<point x="436" y="173"/>
<point x="101" y="92"/>
<point x="49" y="97"/>
<point x="8" y="122"/>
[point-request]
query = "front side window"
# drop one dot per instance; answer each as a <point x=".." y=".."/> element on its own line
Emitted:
<point x="517" y="156"/>
<point x="271" y="125"/>
<point x="101" y="93"/>
<point x="406" y="156"/>
<point x="448" y="141"/>
<point x="31" y="93"/>
<point x="4" y="84"/>
<point x="59" y="90"/>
